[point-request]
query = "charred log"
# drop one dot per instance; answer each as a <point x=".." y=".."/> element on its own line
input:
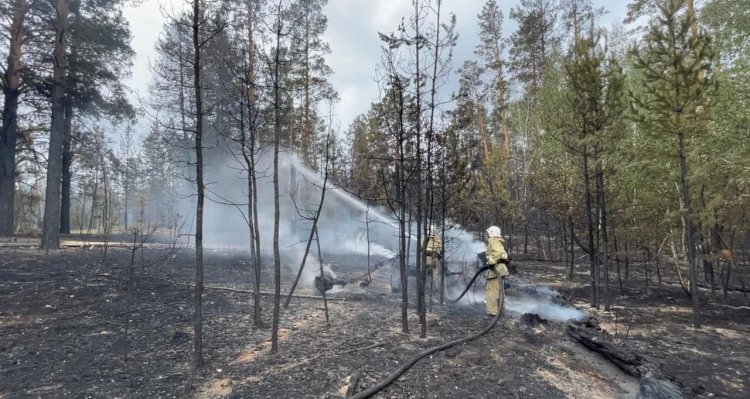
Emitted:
<point x="533" y="320"/>
<point x="327" y="281"/>
<point x="655" y="383"/>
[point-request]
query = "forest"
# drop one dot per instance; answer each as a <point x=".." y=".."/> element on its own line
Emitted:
<point x="230" y="233"/>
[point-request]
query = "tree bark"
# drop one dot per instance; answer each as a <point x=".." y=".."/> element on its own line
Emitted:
<point x="603" y="229"/>
<point x="590" y="222"/>
<point x="9" y="129"/>
<point x="401" y="183"/>
<point x="198" y="300"/>
<point x="687" y="225"/>
<point x="420" y="261"/>
<point x="67" y="161"/>
<point x="252" y="194"/>
<point x="51" y="220"/>
<point x="277" y="137"/>
<point x="571" y="271"/>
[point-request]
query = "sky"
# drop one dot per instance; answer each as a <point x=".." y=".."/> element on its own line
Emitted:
<point x="353" y="27"/>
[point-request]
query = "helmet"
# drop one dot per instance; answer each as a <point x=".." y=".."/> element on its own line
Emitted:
<point x="494" y="231"/>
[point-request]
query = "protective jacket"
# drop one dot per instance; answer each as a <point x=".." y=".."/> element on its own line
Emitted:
<point x="434" y="246"/>
<point x="496" y="253"/>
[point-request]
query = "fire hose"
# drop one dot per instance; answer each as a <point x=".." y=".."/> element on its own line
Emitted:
<point x="419" y="356"/>
<point x="480" y="271"/>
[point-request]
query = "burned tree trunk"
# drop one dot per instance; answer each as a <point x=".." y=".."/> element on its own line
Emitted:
<point x="277" y="137"/>
<point x="198" y="300"/>
<point x="249" y="156"/>
<point x="9" y="129"/>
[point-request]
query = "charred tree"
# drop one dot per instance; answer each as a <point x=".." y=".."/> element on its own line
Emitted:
<point x="278" y="120"/>
<point x="248" y="144"/>
<point x="9" y="129"/>
<point x="198" y="43"/>
<point x="420" y="258"/>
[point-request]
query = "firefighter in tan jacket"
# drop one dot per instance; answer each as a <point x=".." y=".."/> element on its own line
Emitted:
<point x="434" y="251"/>
<point x="495" y="255"/>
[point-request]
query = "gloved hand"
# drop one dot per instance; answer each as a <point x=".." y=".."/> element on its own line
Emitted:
<point x="498" y="268"/>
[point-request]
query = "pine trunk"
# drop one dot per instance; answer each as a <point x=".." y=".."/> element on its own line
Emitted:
<point x="277" y="137"/>
<point x="590" y="222"/>
<point x="603" y="229"/>
<point x="51" y="221"/>
<point x="9" y="129"/>
<point x="198" y="301"/>
<point x="252" y="193"/>
<point x="688" y="227"/>
<point x="67" y="161"/>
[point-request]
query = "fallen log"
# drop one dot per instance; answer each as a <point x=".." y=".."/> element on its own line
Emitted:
<point x="655" y="383"/>
<point x="588" y="334"/>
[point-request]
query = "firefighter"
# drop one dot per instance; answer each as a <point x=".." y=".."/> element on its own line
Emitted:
<point x="434" y="251"/>
<point x="496" y="256"/>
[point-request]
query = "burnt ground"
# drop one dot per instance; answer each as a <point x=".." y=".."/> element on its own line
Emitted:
<point x="64" y="333"/>
<point x="713" y="361"/>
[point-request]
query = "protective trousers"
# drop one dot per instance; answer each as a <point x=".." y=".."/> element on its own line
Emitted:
<point x="492" y="295"/>
<point x="433" y="263"/>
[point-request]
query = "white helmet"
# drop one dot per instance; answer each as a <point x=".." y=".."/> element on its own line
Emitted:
<point x="494" y="231"/>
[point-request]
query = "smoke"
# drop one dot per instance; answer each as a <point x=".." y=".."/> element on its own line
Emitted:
<point x="521" y="298"/>
<point x="543" y="307"/>
<point x="542" y="300"/>
<point x="343" y="223"/>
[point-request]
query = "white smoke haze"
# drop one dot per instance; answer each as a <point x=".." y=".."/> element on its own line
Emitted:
<point x="542" y="300"/>
<point x="342" y="229"/>
<point x="542" y="306"/>
<point x="522" y="297"/>
<point x="342" y="225"/>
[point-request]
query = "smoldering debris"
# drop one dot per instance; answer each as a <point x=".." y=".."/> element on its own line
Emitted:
<point x="528" y="297"/>
<point x="533" y="320"/>
<point x="326" y="281"/>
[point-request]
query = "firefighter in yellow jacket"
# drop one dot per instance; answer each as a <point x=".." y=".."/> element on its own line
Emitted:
<point x="434" y="251"/>
<point x="495" y="255"/>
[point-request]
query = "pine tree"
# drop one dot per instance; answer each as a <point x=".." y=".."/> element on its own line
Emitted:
<point x="309" y="71"/>
<point x="51" y="222"/>
<point x="595" y="91"/>
<point x="534" y="40"/>
<point x="676" y="67"/>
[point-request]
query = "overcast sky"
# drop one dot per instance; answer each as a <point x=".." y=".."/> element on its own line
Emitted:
<point x="352" y="34"/>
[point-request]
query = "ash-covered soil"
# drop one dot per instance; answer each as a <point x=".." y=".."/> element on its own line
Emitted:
<point x="68" y="328"/>
<point x="713" y="361"/>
